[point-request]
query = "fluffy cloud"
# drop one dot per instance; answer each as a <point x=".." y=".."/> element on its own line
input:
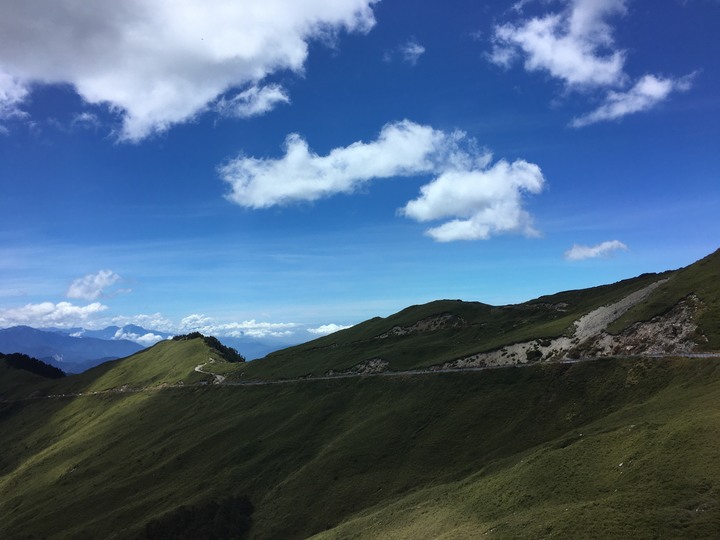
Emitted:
<point x="485" y="199"/>
<point x="61" y="315"/>
<point x="159" y="63"/>
<point x="648" y="92"/>
<point x="402" y="149"/>
<point x="145" y="339"/>
<point x="575" y="45"/>
<point x="91" y="286"/>
<point x="604" y="249"/>
<point x="326" y="329"/>
<point x="252" y="328"/>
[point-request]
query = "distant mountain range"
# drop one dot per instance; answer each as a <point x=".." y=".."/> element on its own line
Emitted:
<point x="131" y="332"/>
<point x="71" y="353"/>
<point x="75" y="350"/>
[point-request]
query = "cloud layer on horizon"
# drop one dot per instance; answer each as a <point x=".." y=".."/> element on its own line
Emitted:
<point x="483" y="199"/>
<point x="163" y="63"/>
<point x="326" y="329"/>
<point x="49" y="314"/>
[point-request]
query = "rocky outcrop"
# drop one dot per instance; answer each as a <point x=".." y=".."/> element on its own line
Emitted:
<point x="429" y="324"/>
<point x="368" y="367"/>
<point x="675" y="332"/>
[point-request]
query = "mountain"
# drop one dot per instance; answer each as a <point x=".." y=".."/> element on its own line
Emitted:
<point x="130" y="332"/>
<point x="254" y="348"/>
<point x="676" y="312"/>
<point x="71" y="354"/>
<point x="310" y="443"/>
<point x="31" y="365"/>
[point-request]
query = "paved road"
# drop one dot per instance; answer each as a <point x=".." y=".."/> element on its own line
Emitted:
<point x="220" y="380"/>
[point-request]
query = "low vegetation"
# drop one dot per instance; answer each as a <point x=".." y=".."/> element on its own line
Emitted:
<point x="609" y="448"/>
<point x="33" y="365"/>
<point x="700" y="279"/>
<point x="228" y="519"/>
<point x="228" y="353"/>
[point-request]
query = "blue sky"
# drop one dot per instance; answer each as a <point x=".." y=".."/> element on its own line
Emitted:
<point x="284" y="168"/>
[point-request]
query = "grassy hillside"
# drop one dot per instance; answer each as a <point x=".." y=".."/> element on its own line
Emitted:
<point x="615" y="447"/>
<point x="701" y="279"/>
<point x="533" y="451"/>
<point x="166" y="363"/>
<point x="472" y="327"/>
<point x="19" y="383"/>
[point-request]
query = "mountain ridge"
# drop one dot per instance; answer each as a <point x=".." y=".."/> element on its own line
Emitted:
<point x="453" y="333"/>
<point x="621" y="446"/>
<point x="71" y="354"/>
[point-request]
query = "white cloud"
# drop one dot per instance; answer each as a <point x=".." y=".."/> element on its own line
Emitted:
<point x="86" y="120"/>
<point x="159" y="63"/>
<point x="575" y="45"/>
<point x="61" y="315"/>
<point x="486" y="199"/>
<point x="254" y="329"/>
<point x="91" y="286"/>
<point x="648" y="92"/>
<point x="412" y="51"/>
<point x="605" y="249"/>
<point x="409" y="52"/>
<point x="402" y="149"/>
<point x="145" y="339"/>
<point x="154" y="321"/>
<point x="326" y="329"/>
<point x="254" y="101"/>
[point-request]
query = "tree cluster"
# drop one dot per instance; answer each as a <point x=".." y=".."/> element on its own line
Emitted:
<point x="228" y="353"/>
<point x="226" y="519"/>
<point x="33" y="365"/>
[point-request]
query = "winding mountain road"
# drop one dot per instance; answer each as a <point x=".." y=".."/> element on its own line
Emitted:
<point x="219" y="379"/>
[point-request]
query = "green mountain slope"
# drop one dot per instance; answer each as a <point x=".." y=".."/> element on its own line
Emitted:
<point x="166" y="363"/>
<point x="623" y="447"/>
<point x="534" y="450"/>
<point x="446" y="331"/>
<point x="701" y="280"/>
<point x="19" y="383"/>
<point x="461" y="329"/>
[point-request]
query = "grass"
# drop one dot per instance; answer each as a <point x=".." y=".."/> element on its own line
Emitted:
<point x="701" y="279"/>
<point x="487" y="328"/>
<point x="614" y="447"/>
<point x="522" y="451"/>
